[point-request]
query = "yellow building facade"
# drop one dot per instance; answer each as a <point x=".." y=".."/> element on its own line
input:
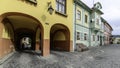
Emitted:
<point x="31" y="18"/>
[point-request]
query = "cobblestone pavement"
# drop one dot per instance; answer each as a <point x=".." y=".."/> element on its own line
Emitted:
<point x="98" y="57"/>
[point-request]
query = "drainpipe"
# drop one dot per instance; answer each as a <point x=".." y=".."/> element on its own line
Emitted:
<point x="90" y="30"/>
<point x="74" y="23"/>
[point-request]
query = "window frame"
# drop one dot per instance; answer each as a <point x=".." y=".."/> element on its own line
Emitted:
<point x="85" y="36"/>
<point x="78" y="36"/>
<point x="78" y="15"/>
<point x="60" y="5"/>
<point x="86" y="18"/>
<point x="97" y="20"/>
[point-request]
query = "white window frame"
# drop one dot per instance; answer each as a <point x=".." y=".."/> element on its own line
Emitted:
<point x="78" y="15"/>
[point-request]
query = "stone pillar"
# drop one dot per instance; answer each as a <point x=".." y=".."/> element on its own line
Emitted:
<point x="1" y="32"/>
<point x="37" y="47"/>
<point x="1" y="49"/>
<point x="71" y="46"/>
<point x="1" y="29"/>
<point x="46" y="47"/>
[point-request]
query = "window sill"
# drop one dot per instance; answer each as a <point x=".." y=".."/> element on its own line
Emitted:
<point x="32" y="1"/>
<point x="57" y="12"/>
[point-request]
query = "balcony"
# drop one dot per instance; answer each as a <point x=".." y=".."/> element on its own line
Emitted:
<point x="95" y="26"/>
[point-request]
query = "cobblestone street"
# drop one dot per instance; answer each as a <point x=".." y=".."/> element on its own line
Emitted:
<point x="98" y="57"/>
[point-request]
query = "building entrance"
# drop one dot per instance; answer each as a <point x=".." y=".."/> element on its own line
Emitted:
<point x="22" y="32"/>
<point x="25" y="40"/>
<point x="26" y="43"/>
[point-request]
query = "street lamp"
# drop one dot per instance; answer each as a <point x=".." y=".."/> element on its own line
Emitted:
<point x="50" y="8"/>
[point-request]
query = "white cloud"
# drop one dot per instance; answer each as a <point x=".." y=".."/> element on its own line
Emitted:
<point x="116" y="29"/>
<point x="112" y="13"/>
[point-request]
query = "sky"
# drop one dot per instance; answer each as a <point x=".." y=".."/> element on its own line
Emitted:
<point x="111" y="10"/>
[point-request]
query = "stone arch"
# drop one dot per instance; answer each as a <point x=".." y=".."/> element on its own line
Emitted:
<point x="59" y="37"/>
<point x="13" y="17"/>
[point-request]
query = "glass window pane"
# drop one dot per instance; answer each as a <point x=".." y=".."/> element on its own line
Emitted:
<point x="63" y="1"/>
<point x="60" y="6"/>
<point x="86" y="18"/>
<point x="60" y="1"/>
<point x="56" y="6"/>
<point x="78" y="35"/>
<point x="63" y="9"/>
<point x="78" y="16"/>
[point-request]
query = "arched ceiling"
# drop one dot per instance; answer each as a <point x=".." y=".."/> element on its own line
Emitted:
<point x="22" y="22"/>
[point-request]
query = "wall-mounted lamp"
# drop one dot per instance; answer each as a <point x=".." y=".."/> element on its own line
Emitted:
<point x="92" y="20"/>
<point x="50" y="8"/>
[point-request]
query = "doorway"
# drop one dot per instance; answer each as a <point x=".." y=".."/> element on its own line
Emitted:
<point x="25" y="40"/>
<point x="100" y="40"/>
<point x="59" y="38"/>
<point x="26" y="43"/>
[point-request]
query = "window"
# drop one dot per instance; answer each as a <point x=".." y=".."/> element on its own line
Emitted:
<point x="102" y="26"/>
<point x="61" y="6"/>
<point x="85" y="36"/>
<point x="78" y="35"/>
<point x="98" y="38"/>
<point x="97" y="22"/>
<point x="78" y="16"/>
<point x="86" y="18"/>
<point x="93" y="37"/>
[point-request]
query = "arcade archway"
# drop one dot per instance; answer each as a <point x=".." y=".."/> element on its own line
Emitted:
<point x="18" y="26"/>
<point x="59" y="38"/>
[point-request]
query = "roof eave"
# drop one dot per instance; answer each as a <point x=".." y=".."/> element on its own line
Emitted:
<point x="80" y="3"/>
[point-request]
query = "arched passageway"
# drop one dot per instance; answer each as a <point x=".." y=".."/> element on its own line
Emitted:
<point x="25" y="39"/>
<point x="19" y="26"/>
<point x="59" y="38"/>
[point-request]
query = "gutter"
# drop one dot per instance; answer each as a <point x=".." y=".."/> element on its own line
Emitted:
<point x="74" y="26"/>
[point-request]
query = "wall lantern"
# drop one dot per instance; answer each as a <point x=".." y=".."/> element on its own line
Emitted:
<point x="50" y="8"/>
<point x="93" y="20"/>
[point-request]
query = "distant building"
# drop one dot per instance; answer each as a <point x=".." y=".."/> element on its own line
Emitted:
<point x="115" y="39"/>
<point x="90" y="29"/>
<point x="96" y="25"/>
<point x="107" y="32"/>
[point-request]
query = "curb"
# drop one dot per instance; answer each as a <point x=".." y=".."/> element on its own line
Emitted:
<point x="2" y="60"/>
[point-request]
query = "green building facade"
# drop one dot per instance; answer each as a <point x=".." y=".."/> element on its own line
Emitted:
<point x="81" y="23"/>
<point x="88" y="24"/>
